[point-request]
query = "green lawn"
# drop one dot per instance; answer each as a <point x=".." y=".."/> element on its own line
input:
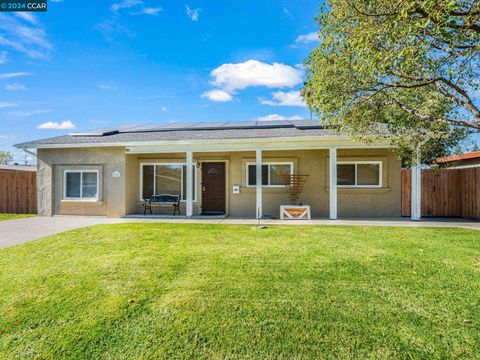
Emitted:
<point x="14" y="216"/>
<point x="210" y="291"/>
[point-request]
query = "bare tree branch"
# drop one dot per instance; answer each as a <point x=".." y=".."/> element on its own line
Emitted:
<point x="475" y="27"/>
<point x="427" y="117"/>
<point x="467" y="103"/>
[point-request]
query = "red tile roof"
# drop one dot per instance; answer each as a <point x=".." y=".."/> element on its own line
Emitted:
<point x="447" y="159"/>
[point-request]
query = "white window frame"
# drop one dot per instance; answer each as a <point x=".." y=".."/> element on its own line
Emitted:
<point x="181" y="179"/>
<point x="268" y="163"/>
<point x="380" y="174"/>
<point x="65" y="197"/>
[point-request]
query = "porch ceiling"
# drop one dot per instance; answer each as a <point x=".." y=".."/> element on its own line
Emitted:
<point x="308" y="143"/>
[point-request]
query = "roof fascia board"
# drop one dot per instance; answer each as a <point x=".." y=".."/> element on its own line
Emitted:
<point x="310" y="145"/>
<point x="300" y="142"/>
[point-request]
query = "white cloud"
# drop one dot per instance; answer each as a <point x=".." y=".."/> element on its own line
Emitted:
<point x="107" y="87"/>
<point x="51" y="125"/>
<point x="307" y="38"/>
<point x="7" y="137"/>
<point x="28" y="17"/>
<point x="193" y="14"/>
<point x="164" y="108"/>
<point x="282" y="98"/>
<point x="476" y="95"/>
<point x="15" y="87"/>
<point x="30" y="113"/>
<point x="125" y="4"/>
<point x="231" y="77"/>
<point x="14" y="75"/>
<point x="3" y="57"/>
<point x="5" y="104"/>
<point x="114" y="27"/>
<point x="148" y="11"/>
<point x="285" y="10"/>
<point x="274" y="117"/>
<point x="217" y="95"/>
<point x="23" y="34"/>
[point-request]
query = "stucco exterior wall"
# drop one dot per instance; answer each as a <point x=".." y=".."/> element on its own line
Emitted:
<point x="50" y="179"/>
<point x="120" y="196"/>
<point x="385" y="201"/>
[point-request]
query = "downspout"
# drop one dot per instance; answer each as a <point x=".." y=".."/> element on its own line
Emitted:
<point x="30" y="153"/>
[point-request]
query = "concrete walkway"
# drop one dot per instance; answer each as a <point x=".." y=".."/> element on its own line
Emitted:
<point x="19" y="231"/>
<point x="402" y="222"/>
<point x="14" y="232"/>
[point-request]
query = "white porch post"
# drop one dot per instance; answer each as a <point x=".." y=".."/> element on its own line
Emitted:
<point x="333" y="183"/>
<point x="416" y="195"/>
<point x="189" y="208"/>
<point x="259" y="210"/>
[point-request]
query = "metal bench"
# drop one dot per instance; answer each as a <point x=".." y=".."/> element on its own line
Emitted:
<point x="162" y="200"/>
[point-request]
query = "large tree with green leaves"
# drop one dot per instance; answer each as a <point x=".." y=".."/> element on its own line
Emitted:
<point x="5" y="157"/>
<point x="412" y="65"/>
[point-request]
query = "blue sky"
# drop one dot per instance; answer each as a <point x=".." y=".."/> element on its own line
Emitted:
<point x="130" y="61"/>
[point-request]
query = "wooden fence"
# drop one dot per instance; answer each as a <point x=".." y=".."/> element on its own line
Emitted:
<point x="18" y="192"/>
<point x="445" y="193"/>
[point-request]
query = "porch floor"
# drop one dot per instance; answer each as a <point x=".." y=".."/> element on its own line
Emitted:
<point x="363" y="221"/>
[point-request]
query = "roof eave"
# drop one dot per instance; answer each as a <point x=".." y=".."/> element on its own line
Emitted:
<point x="324" y="141"/>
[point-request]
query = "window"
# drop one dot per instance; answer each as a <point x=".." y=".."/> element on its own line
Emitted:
<point x="166" y="179"/>
<point x="80" y="185"/>
<point x="272" y="174"/>
<point x="359" y="174"/>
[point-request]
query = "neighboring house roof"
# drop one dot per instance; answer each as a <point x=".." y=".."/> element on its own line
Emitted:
<point x="189" y="132"/>
<point x="18" y="168"/>
<point x="467" y="156"/>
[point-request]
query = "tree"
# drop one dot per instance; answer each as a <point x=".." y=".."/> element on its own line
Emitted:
<point x="412" y="66"/>
<point x="5" y="157"/>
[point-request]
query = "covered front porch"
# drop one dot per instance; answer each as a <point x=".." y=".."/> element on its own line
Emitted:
<point x="242" y="183"/>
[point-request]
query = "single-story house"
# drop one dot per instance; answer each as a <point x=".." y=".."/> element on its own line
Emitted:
<point x="471" y="159"/>
<point x="231" y="168"/>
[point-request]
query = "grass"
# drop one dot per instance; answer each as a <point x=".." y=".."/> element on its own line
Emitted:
<point x="4" y="217"/>
<point x="209" y="291"/>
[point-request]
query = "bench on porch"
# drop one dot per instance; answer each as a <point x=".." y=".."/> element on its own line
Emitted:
<point x="162" y="200"/>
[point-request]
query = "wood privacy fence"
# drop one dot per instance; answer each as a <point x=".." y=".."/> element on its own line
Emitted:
<point x="18" y="192"/>
<point x="445" y="193"/>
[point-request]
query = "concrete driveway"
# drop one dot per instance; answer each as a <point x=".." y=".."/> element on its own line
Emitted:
<point x="19" y="231"/>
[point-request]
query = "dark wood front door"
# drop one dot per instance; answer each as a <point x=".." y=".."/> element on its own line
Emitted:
<point x="213" y="188"/>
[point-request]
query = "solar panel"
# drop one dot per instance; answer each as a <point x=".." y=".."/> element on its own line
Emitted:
<point x="273" y="123"/>
<point x="209" y="125"/>
<point x="190" y="126"/>
<point x="154" y="127"/>
<point x="178" y="126"/>
<point x="99" y="132"/>
<point x="307" y="124"/>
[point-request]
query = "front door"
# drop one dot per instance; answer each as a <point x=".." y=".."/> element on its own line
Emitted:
<point x="213" y="188"/>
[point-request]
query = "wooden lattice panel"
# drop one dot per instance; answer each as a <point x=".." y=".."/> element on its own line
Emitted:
<point x="294" y="186"/>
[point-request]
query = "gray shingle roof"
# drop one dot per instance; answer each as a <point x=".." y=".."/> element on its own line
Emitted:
<point x="193" y="131"/>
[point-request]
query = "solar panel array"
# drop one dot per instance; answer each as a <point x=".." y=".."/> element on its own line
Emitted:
<point x="196" y="126"/>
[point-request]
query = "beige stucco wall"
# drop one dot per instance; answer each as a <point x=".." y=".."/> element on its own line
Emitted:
<point x="351" y="202"/>
<point x="382" y="202"/>
<point x="120" y="196"/>
<point x="51" y="166"/>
